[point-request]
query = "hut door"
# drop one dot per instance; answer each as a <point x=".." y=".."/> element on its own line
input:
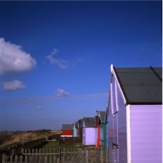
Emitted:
<point x="115" y="145"/>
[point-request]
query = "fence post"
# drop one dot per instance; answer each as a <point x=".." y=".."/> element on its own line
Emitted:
<point x="13" y="151"/>
<point x="11" y="159"/>
<point x="50" y="159"/>
<point x="63" y="154"/>
<point x="22" y="150"/>
<point x="40" y="158"/>
<point x="45" y="159"/>
<point x="101" y="155"/>
<point x="21" y="159"/>
<point x="16" y="159"/>
<point x="107" y="159"/>
<point x="26" y="159"/>
<point x="86" y="156"/>
<point x="58" y="160"/>
<point x="3" y="158"/>
<point x="60" y="154"/>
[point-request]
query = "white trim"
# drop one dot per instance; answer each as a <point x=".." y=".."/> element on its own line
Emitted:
<point x="66" y="136"/>
<point x="111" y="98"/>
<point x="116" y="97"/>
<point x="128" y="126"/>
<point x="113" y="72"/>
<point x="111" y="68"/>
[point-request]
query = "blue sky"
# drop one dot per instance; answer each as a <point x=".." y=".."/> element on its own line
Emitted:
<point x="55" y="57"/>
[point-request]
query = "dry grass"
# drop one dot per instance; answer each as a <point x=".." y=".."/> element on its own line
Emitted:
<point x="29" y="135"/>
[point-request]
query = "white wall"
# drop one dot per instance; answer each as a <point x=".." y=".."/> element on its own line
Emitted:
<point x="146" y="133"/>
<point x="89" y="136"/>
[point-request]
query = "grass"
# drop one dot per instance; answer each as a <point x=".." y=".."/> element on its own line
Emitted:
<point x="51" y="144"/>
<point x="55" y="144"/>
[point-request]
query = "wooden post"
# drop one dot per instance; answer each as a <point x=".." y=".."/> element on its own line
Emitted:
<point x="16" y="159"/>
<point x="60" y="154"/>
<point x="50" y="159"/>
<point x="11" y="159"/>
<point x="101" y="155"/>
<point x="86" y="157"/>
<point x="107" y="157"/>
<point x="31" y="159"/>
<point x="22" y="150"/>
<point x="40" y="159"/>
<point x="26" y="159"/>
<point x="3" y="158"/>
<point x="63" y="154"/>
<point x="21" y="159"/>
<point x="45" y="159"/>
<point x="12" y="152"/>
<point x="57" y="160"/>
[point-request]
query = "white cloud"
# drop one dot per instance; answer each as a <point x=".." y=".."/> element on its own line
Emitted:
<point x="13" y="85"/>
<point x="14" y="59"/>
<point x="61" y="93"/>
<point x="61" y="63"/>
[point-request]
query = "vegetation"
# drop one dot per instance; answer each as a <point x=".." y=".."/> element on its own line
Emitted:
<point x="51" y="144"/>
<point x="7" y="138"/>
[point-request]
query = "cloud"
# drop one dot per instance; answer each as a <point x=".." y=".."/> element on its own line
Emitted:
<point x="61" y="93"/>
<point x="61" y="63"/>
<point x="14" y="59"/>
<point x="13" y="85"/>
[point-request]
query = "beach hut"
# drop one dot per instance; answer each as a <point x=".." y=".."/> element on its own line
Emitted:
<point x="80" y="128"/>
<point x="89" y="131"/>
<point x="135" y="115"/>
<point x="101" y="130"/>
<point x="67" y="130"/>
<point x="75" y="129"/>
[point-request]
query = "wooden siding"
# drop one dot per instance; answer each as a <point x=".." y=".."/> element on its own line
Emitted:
<point x="146" y="133"/>
<point x="122" y="130"/>
<point x="117" y="131"/>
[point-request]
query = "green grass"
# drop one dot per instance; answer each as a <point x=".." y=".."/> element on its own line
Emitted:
<point x="55" y="144"/>
<point x="51" y="144"/>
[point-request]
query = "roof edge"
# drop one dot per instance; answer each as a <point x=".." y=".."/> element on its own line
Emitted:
<point x="145" y="103"/>
<point x="114" y="73"/>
